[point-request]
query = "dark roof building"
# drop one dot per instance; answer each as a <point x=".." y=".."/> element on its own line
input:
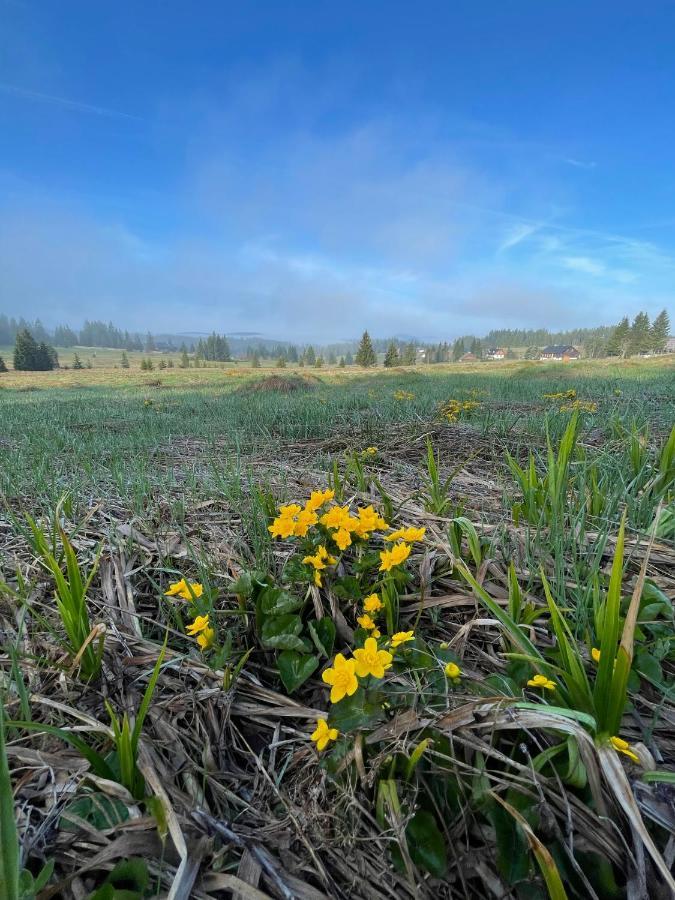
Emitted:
<point x="559" y="351"/>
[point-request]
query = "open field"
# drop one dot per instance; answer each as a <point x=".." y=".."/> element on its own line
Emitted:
<point x="478" y="763"/>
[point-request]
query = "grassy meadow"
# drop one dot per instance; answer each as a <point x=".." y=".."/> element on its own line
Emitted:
<point x="338" y="632"/>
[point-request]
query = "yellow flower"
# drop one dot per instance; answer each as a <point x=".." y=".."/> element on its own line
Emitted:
<point x="342" y="538"/>
<point x="317" y="499"/>
<point x="371" y="661"/>
<point x="323" y="734"/>
<point x="394" y="557"/>
<point x="624" y="747"/>
<point x="369" y="520"/>
<point x="372" y="603"/>
<point x="543" y="682"/>
<point x="453" y="671"/>
<point x="283" y="526"/>
<point x="318" y="581"/>
<point x="289" y="511"/>
<point x="595" y="653"/>
<point x="408" y="534"/>
<point x="306" y="518"/>
<point x="205" y="639"/>
<point x="201" y="623"/>
<point x="336" y="517"/>
<point x="341" y="678"/>
<point x="184" y="590"/>
<point x="401" y="637"/>
<point x="366" y="622"/>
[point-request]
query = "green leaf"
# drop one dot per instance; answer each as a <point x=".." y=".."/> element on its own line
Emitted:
<point x="295" y="668"/>
<point x="9" y="841"/>
<point x="426" y="844"/>
<point x="99" y="810"/>
<point x="323" y="635"/>
<point x="276" y="602"/>
<point x="281" y="633"/>
<point x="356" y="712"/>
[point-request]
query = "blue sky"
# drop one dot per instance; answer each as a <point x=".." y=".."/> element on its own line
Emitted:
<point x="308" y="169"/>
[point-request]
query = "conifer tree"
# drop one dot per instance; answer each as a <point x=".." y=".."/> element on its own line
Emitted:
<point x="124" y="361"/>
<point x="458" y="350"/>
<point x="365" y="355"/>
<point x="391" y="356"/>
<point x="3" y="366"/>
<point x="617" y="344"/>
<point x="639" y="340"/>
<point x="660" y="332"/>
<point x="77" y="362"/>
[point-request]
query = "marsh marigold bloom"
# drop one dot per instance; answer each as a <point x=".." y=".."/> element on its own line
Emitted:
<point x="342" y="538"/>
<point x="366" y="622"/>
<point x="317" y="499"/>
<point x="595" y="654"/>
<point x="184" y="590"/>
<point x="342" y="678"/>
<point x="323" y="734"/>
<point x="284" y="524"/>
<point x="371" y="661"/>
<point x="372" y="603"/>
<point x="394" y="557"/>
<point x="401" y="637"/>
<point x="319" y="561"/>
<point x="624" y="747"/>
<point x="408" y="534"/>
<point x="199" y="624"/>
<point x="369" y="520"/>
<point x="205" y="639"/>
<point x="541" y="681"/>
<point x="453" y="671"/>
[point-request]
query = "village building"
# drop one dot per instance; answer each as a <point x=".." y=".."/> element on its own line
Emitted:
<point x="559" y="352"/>
<point x="495" y="353"/>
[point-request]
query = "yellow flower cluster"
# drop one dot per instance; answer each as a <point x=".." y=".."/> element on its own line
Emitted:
<point x="371" y="604"/>
<point x="368" y="452"/>
<point x="294" y="520"/>
<point x="185" y="590"/>
<point x="201" y="629"/>
<point x="403" y="395"/>
<point x="394" y="557"/>
<point x="541" y="681"/>
<point x="408" y="534"/>
<point x="343" y="676"/>
<point x="452" y="409"/>
<point x="319" y="561"/>
<point x="582" y="405"/>
<point x="562" y="395"/>
<point x="344" y="526"/>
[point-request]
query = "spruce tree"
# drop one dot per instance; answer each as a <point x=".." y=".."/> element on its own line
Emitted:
<point x="3" y="367"/>
<point x="184" y="358"/>
<point x="124" y="362"/>
<point x="409" y="356"/>
<point x="342" y="363"/>
<point x="25" y="352"/>
<point x="458" y="350"/>
<point x="660" y="332"/>
<point x="639" y="340"/>
<point x="281" y="362"/>
<point x="77" y="362"/>
<point x="618" y="339"/>
<point x="391" y="356"/>
<point x="310" y="356"/>
<point x="365" y="355"/>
